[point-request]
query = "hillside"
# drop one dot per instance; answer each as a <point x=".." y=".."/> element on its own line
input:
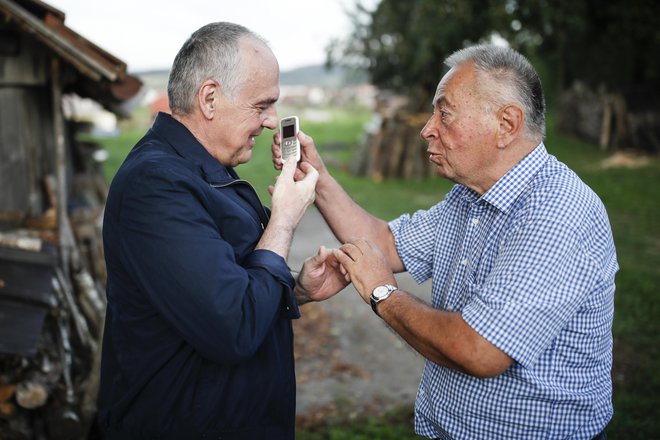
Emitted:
<point x="320" y="76"/>
<point x="316" y="75"/>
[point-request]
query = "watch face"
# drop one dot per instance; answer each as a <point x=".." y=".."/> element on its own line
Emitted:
<point x="380" y="291"/>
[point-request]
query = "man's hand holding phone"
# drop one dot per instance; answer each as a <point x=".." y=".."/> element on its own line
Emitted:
<point x="306" y="150"/>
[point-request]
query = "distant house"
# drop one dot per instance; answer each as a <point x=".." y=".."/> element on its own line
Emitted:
<point x="51" y="200"/>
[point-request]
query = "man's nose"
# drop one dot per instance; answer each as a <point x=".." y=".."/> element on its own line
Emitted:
<point x="270" y="120"/>
<point x="427" y="131"/>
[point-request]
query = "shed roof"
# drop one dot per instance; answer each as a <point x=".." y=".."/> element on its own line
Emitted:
<point x="46" y="24"/>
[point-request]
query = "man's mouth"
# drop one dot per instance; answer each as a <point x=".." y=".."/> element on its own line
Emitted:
<point x="435" y="157"/>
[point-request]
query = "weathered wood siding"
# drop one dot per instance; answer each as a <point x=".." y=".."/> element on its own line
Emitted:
<point x="26" y="126"/>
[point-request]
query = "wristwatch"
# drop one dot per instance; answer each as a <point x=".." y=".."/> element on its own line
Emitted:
<point x="380" y="294"/>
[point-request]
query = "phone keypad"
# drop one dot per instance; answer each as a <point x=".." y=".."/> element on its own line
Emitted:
<point x="289" y="148"/>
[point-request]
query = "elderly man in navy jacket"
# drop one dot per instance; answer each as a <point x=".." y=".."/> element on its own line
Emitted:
<point x="198" y="340"/>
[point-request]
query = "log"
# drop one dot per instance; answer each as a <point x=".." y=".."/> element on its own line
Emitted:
<point x="31" y="395"/>
<point x="394" y="150"/>
<point x="619" y="119"/>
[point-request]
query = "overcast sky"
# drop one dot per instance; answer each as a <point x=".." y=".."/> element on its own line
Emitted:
<point x="146" y="34"/>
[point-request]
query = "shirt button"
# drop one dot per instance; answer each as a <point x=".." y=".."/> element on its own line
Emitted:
<point x="475" y="221"/>
<point x="465" y="262"/>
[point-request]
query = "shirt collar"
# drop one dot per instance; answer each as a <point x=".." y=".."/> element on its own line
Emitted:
<point x="508" y="188"/>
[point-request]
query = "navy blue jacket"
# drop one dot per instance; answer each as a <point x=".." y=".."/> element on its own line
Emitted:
<point x="198" y="340"/>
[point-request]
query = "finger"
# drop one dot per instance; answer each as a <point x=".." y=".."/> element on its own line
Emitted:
<point x="343" y="259"/>
<point x="332" y="259"/>
<point x="311" y="175"/>
<point x="358" y="242"/>
<point x="298" y="175"/>
<point x="321" y="255"/>
<point x="288" y="169"/>
<point x="351" y="250"/>
<point x="276" y="151"/>
<point x="304" y="138"/>
<point x="306" y="142"/>
<point x="307" y="167"/>
<point x="328" y="256"/>
<point x="365" y="246"/>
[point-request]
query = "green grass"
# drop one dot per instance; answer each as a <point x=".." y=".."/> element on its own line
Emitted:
<point x="632" y="198"/>
<point x="396" y="425"/>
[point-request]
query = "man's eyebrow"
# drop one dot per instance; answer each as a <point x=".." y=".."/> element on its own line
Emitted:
<point x="267" y="101"/>
<point x="441" y="101"/>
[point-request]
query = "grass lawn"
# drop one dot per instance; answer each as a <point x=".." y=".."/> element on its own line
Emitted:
<point x="632" y="199"/>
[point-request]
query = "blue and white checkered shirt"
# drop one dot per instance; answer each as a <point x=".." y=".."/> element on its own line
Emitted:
<point x="530" y="266"/>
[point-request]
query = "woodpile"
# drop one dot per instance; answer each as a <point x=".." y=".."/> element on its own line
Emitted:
<point x="53" y="314"/>
<point x="393" y="147"/>
<point x="613" y="120"/>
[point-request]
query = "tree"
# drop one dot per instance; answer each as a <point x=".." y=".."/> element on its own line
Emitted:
<point x="402" y="45"/>
<point x="612" y="44"/>
<point x="611" y="47"/>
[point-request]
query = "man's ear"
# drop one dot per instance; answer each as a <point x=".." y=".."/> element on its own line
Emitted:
<point x="208" y="98"/>
<point x="511" y="118"/>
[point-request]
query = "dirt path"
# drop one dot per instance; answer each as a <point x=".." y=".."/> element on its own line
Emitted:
<point x="348" y="361"/>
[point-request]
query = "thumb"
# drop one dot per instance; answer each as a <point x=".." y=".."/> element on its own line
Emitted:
<point x="319" y="257"/>
<point x="288" y="169"/>
<point x="322" y="254"/>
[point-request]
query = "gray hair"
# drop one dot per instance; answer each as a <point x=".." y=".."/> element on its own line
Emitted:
<point x="509" y="78"/>
<point x="211" y="52"/>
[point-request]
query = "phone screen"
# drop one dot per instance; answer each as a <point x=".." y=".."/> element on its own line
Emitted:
<point x="288" y="131"/>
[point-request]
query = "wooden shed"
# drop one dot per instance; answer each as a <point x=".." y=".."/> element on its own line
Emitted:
<point x="52" y="194"/>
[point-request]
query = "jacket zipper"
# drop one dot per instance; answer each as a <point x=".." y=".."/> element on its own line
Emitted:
<point x="254" y="193"/>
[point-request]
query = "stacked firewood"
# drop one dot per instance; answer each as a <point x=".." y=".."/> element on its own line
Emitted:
<point x="392" y="147"/>
<point x="52" y="308"/>
<point x="615" y="120"/>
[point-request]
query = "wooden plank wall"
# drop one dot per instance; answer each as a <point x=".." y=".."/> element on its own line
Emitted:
<point x="26" y="127"/>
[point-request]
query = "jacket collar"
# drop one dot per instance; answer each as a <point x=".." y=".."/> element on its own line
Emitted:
<point x="187" y="146"/>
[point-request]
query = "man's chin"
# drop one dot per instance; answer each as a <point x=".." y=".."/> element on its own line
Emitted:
<point x="441" y="171"/>
<point x="244" y="157"/>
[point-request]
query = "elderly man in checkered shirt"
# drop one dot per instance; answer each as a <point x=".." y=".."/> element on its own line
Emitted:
<point x="518" y="338"/>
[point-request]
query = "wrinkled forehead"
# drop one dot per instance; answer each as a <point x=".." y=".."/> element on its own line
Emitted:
<point x="459" y="78"/>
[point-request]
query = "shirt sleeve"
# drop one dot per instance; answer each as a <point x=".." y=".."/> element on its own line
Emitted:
<point x="190" y="275"/>
<point x="540" y="278"/>
<point x="428" y="237"/>
<point x="413" y="238"/>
